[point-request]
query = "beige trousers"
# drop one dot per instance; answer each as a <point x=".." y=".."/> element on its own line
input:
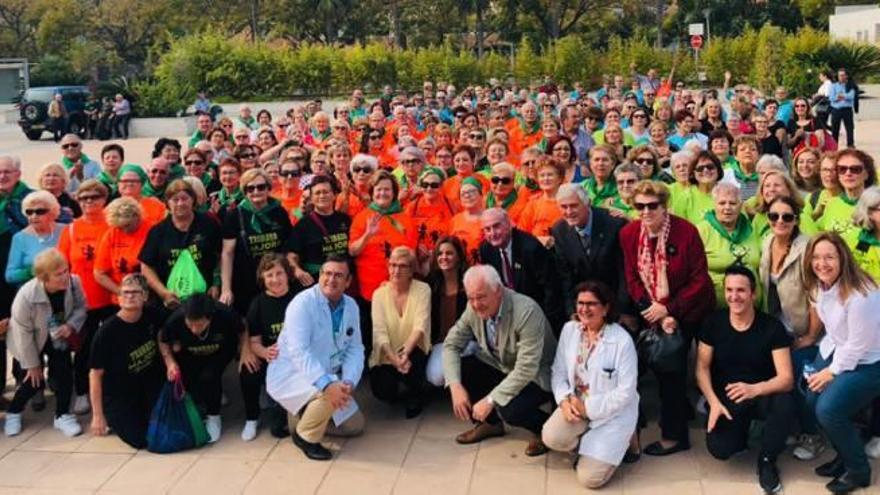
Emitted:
<point x="316" y="418"/>
<point x="561" y="435"/>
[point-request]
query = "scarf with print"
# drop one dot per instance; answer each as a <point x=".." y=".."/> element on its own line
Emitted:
<point x="260" y="221"/>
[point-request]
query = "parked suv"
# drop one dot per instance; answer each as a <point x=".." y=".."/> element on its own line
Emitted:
<point x="34" y="106"/>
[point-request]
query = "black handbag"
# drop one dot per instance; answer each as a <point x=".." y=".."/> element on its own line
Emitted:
<point x="660" y="351"/>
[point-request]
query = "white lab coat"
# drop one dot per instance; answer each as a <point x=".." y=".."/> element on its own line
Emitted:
<point x="613" y="401"/>
<point x="306" y="345"/>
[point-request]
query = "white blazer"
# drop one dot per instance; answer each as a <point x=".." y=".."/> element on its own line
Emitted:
<point x="306" y="345"/>
<point x="613" y="402"/>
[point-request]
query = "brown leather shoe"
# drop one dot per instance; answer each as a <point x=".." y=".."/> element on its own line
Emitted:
<point x="536" y="447"/>
<point x="480" y="432"/>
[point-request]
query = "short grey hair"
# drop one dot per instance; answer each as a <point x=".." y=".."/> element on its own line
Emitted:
<point x="362" y="160"/>
<point x="625" y="167"/>
<point x="12" y="159"/>
<point x="571" y="189"/>
<point x="504" y="167"/>
<point x="487" y="273"/>
<point x="45" y="198"/>
<point x="726" y="188"/>
<point x="683" y="155"/>
<point x="870" y="198"/>
<point x="773" y="162"/>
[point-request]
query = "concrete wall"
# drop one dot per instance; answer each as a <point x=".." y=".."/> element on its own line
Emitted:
<point x="860" y="24"/>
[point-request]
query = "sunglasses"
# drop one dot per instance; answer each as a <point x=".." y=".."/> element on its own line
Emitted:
<point x="69" y="145"/>
<point x="226" y="126"/>
<point x="361" y="170"/>
<point x="157" y="171"/>
<point x="653" y="205"/>
<point x="89" y="197"/>
<point x="502" y="180"/>
<point x="290" y="173"/>
<point x="256" y="187"/>
<point x="193" y="162"/>
<point x="36" y="211"/>
<point x="644" y="161"/>
<point x="703" y="168"/>
<point x="852" y="169"/>
<point x="283" y="126"/>
<point x="247" y="156"/>
<point x="775" y="217"/>
<point x="375" y="136"/>
<point x="429" y="185"/>
<point x="477" y="136"/>
<point x="410" y="162"/>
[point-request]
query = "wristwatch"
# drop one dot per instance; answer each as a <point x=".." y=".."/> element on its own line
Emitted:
<point x="490" y="401"/>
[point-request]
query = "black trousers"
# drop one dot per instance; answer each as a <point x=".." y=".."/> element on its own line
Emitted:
<point x="203" y="379"/>
<point x="251" y="386"/>
<point x="129" y="416"/>
<point x="675" y="408"/>
<point x="365" y="308"/>
<point x="731" y="436"/>
<point x="386" y="381"/>
<point x="845" y="115"/>
<point x="120" y="126"/>
<point x="478" y="378"/>
<point x="94" y="318"/>
<point x="61" y="375"/>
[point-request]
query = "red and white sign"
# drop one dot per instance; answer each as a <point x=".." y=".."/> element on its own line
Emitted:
<point x="696" y="42"/>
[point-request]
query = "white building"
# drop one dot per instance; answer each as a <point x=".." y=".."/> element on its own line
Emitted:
<point x="859" y="23"/>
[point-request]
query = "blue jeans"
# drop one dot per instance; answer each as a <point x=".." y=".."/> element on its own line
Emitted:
<point x="834" y="407"/>
<point x="799" y="358"/>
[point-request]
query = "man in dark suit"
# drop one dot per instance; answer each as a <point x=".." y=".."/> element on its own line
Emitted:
<point x="586" y="247"/>
<point x="523" y="263"/>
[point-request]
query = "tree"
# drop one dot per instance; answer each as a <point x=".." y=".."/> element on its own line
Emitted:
<point x="560" y="17"/>
<point x="17" y="29"/>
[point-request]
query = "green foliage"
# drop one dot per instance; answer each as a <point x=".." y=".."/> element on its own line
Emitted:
<point x="52" y="70"/>
<point x="799" y="74"/>
<point x="529" y="65"/>
<point x="768" y="58"/>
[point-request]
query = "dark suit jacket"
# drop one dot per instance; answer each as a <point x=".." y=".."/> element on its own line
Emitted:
<point x="603" y="262"/>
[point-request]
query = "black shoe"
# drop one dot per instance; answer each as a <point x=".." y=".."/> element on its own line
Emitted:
<point x="657" y="449"/>
<point x="278" y="422"/>
<point x="631" y="457"/>
<point x="314" y="451"/>
<point x="831" y="469"/>
<point x="413" y="409"/>
<point x="768" y="476"/>
<point x="847" y="483"/>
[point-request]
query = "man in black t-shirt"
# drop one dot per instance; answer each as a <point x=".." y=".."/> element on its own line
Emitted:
<point x="744" y="370"/>
<point x="126" y="374"/>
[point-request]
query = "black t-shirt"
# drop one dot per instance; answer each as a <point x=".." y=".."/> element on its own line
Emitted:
<point x="129" y="355"/>
<point x="250" y="246"/>
<point x="776" y="126"/>
<point x="313" y="241"/>
<point x="164" y="243"/>
<point x="219" y="340"/>
<point x="56" y="302"/>
<point x="770" y="146"/>
<point x="743" y="356"/>
<point x="265" y="317"/>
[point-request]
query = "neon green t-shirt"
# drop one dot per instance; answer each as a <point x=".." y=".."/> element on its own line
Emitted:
<point x="679" y="197"/>
<point x="699" y="203"/>
<point x="722" y="253"/>
<point x="838" y="215"/>
<point x="865" y="248"/>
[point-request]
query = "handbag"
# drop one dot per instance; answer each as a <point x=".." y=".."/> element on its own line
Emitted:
<point x="175" y="423"/>
<point x="660" y="351"/>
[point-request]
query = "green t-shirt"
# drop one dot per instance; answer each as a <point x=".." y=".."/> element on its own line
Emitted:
<point x="679" y="197"/>
<point x="699" y="203"/>
<point x="865" y="248"/>
<point x="598" y="196"/>
<point x="837" y="216"/>
<point x="722" y="253"/>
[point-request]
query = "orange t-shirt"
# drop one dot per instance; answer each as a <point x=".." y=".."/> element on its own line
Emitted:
<point x="539" y="215"/>
<point x="430" y="219"/>
<point x="471" y="234"/>
<point x="452" y="187"/>
<point x="79" y="244"/>
<point x="514" y="211"/>
<point x="520" y="141"/>
<point x="371" y="265"/>
<point x="154" y="210"/>
<point x="118" y="252"/>
<point x="355" y="204"/>
<point x="290" y="203"/>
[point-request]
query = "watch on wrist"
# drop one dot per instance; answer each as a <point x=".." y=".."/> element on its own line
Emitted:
<point x="490" y="401"/>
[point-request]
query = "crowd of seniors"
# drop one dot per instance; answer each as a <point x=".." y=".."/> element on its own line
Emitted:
<point x="527" y="254"/>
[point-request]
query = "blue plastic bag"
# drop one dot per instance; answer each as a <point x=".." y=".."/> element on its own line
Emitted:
<point x="170" y="429"/>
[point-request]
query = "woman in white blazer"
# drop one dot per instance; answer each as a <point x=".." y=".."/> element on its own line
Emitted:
<point x="594" y="378"/>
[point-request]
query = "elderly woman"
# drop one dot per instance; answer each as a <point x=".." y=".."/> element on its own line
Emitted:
<point x="864" y="238"/>
<point x="704" y="173"/>
<point x="131" y="181"/>
<point x="466" y="224"/>
<point x="815" y="202"/>
<point x="855" y="173"/>
<point x="259" y="226"/>
<point x="53" y="178"/>
<point x="401" y="314"/>
<point x="747" y="150"/>
<point x="289" y="194"/>
<point x="431" y="212"/>
<point x="505" y="192"/>
<point x="321" y="233"/>
<point x="720" y="142"/>
<point x="594" y="379"/>
<point x="728" y="237"/>
<point x="196" y="164"/>
<point x="681" y="164"/>
<point x="645" y="159"/>
<point x="846" y="372"/>
<point x="79" y="243"/>
<point x="220" y="146"/>
<point x="47" y="315"/>
<point x="601" y="185"/>
<point x="183" y="230"/>
<point x="463" y="160"/>
<point x="659" y="132"/>
<point x="41" y="209"/>
<point x="247" y="156"/>
<point x="117" y="253"/>
<point x="448" y="299"/>
<point x="562" y="149"/>
<point x="626" y="176"/>
<point x="666" y="275"/>
<point x="542" y="211"/>
<point x="412" y="162"/>
<point x="356" y="192"/>
<point x="229" y="194"/>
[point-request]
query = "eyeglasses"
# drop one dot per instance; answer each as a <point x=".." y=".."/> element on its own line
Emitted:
<point x="193" y="162"/>
<point x="69" y="145"/>
<point x="131" y="293"/>
<point x="429" y="185"/>
<point x="362" y="170"/>
<point x="256" y="187"/>
<point x="412" y="161"/>
<point x="226" y="125"/>
<point x="374" y="137"/>
<point x="158" y="171"/>
<point x="775" y="217"/>
<point x="644" y="161"/>
<point x="477" y="136"/>
<point x="283" y="126"/>
<point x="640" y="116"/>
<point x="290" y="173"/>
<point x="247" y="156"/>
<point x="800" y="106"/>
<point x="89" y="197"/>
<point x="36" y="211"/>
<point x="653" y="205"/>
<point x="502" y="180"/>
<point x="703" y="168"/>
<point x="851" y="169"/>
<point x="626" y="182"/>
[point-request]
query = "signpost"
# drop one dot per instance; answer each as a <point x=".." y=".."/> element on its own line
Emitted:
<point x="696" y="42"/>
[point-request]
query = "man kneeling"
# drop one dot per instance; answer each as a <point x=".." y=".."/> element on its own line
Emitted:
<point x="320" y="360"/>
<point x="744" y="371"/>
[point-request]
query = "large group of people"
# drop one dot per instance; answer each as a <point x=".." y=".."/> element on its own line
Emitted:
<point x="531" y="251"/>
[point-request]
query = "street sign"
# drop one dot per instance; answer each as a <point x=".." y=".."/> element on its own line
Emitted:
<point x="696" y="42"/>
<point x="696" y="29"/>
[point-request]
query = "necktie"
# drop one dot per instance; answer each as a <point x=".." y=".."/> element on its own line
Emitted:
<point x="508" y="271"/>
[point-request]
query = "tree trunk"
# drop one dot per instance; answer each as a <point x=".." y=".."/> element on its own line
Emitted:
<point x="658" y="43"/>
<point x="396" y="25"/>
<point x="479" y="30"/>
<point x="255" y="12"/>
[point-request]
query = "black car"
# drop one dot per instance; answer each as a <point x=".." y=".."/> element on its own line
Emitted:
<point x="34" y="106"/>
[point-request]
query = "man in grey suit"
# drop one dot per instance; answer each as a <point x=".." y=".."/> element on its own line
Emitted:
<point x="509" y="376"/>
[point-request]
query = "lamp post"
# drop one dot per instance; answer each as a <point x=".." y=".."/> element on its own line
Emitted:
<point x="706" y="13"/>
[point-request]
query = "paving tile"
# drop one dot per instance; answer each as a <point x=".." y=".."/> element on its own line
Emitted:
<point x="346" y="479"/>
<point x="646" y="485"/>
<point x="284" y="478"/>
<point x="216" y="476"/>
<point x="525" y="478"/>
<point x="51" y="440"/>
<point x="80" y="471"/>
<point x="232" y="446"/>
<point x="452" y="480"/>
<point x="109" y="444"/>
<point x="562" y="479"/>
<point x="507" y="451"/>
<point x="150" y="473"/>
<point x="286" y="451"/>
<point x="439" y="454"/>
<point x="680" y="466"/>
<point x="20" y="468"/>
<point x="375" y="450"/>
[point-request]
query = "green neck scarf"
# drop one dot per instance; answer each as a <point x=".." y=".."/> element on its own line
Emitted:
<point x="846" y="199"/>
<point x="109" y="181"/>
<point x="529" y="130"/>
<point x="227" y="199"/>
<point x="151" y="192"/>
<point x="531" y="185"/>
<point x="742" y="231"/>
<point x="69" y="164"/>
<point x="609" y="190"/>
<point x="321" y="136"/>
<point x="260" y="220"/>
<point x="206" y="179"/>
<point x="740" y="175"/>
<point x="620" y="205"/>
<point x="18" y="193"/>
<point x="868" y="238"/>
<point x="491" y="200"/>
<point x="393" y="208"/>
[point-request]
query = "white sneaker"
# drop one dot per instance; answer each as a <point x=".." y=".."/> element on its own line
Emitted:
<point x="872" y="448"/>
<point x="249" y="432"/>
<point x="81" y="405"/>
<point x="214" y="427"/>
<point x="12" y="426"/>
<point x="68" y="425"/>
<point x="809" y="447"/>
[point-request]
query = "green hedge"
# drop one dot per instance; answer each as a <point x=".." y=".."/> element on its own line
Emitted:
<point x="233" y="69"/>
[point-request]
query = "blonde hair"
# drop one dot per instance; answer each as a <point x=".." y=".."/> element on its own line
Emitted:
<point x="653" y="188"/>
<point x="407" y="255"/>
<point x="793" y="191"/>
<point x="53" y="167"/>
<point x="123" y="208"/>
<point x="851" y="279"/>
<point x="250" y="175"/>
<point x="45" y="198"/>
<point x="47" y="262"/>
<point x="93" y="185"/>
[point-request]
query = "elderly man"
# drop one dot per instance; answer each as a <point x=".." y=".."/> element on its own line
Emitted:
<point x="204" y="124"/>
<point x="571" y="119"/>
<point x="320" y="360"/>
<point x="586" y="246"/>
<point x="246" y="118"/>
<point x="79" y="166"/>
<point x="509" y="376"/>
<point x="157" y="175"/>
<point x="527" y="130"/>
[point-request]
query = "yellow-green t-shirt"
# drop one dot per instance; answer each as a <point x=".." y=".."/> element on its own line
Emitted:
<point x="837" y="216"/>
<point x="722" y="253"/>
